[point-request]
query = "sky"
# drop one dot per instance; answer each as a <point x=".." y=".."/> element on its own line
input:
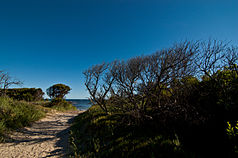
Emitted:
<point x="44" y="42"/>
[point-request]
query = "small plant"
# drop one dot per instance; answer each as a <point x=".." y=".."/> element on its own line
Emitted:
<point x="61" y="105"/>
<point x="17" y="114"/>
<point x="232" y="130"/>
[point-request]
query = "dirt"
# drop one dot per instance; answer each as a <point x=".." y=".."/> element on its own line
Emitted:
<point x="47" y="137"/>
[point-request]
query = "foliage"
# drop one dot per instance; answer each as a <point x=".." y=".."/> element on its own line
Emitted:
<point x="61" y="105"/>
<point x="26" y="94"/>
<point x="95" y="134"/>
<point x="17" y="114"/>
<point x="58" y="91"/>
<point x="6" y="81"/>
<point x="232" y="133"/>
<point x="232" y="130"/>
<point x="188" y="90"/>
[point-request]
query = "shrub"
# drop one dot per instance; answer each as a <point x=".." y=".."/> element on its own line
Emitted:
<point x="95" y="134"/>
<point x="26" y="94"/>
<point x="61" y="105"/>
<point x="17" y="114"/>
<point x="188" y="90"/>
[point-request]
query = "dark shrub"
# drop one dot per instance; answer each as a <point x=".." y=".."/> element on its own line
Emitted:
<point x="26" y="94"/>
<point x="58" y="91"/>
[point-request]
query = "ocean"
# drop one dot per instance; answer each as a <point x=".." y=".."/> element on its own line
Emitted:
<point x="81" y="104"/>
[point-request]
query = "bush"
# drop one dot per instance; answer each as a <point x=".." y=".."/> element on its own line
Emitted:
<point x="188" y="90"/>
<point x="95" y="134"/>
<point x="17" y="114"/>
<point x="61" y="105"/>
<point x="26" y="94"/>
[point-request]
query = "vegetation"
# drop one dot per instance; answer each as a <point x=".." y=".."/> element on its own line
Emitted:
<point x="26" y="94"/>
<point x="61" y="105"/>
<point x="97" y="135"/>
<point x="178" y="102"/>
<point x="6" y="81"/>
<point x="21" y="106"/>
<point x="17" y="114"/>
<point x="58" y="91"/>
<point x="14" y="113"/>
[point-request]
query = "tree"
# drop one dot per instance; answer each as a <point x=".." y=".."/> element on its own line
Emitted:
<point x="140" y="81"/>
<point x="189" y="90"/>
<point x="58" y="91"/>
<point x="6" y="81"/>
<point x="99" y="82"/>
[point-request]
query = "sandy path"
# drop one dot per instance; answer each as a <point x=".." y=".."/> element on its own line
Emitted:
<point x="45" y="138"/>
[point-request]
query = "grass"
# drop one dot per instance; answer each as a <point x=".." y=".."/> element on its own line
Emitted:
<point x="95" y="134"/>
<point x="17" y="114"/>
<point x="61" y="105"/>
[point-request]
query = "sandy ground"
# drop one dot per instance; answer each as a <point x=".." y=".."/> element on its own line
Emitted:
<point x="47" y="137"/>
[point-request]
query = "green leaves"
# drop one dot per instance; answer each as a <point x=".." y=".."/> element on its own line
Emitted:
<point x="58" y="91"/>
<point x="17" y="114"/>
<point x="61" y="105"/>
<point x="232" y="130"/>
<point x="26" y="94"/>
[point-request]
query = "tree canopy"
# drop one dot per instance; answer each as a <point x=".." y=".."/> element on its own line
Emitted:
<point x="58" y="91"/>
<point x="188" y="90"/>
<point x="27" y="94"/>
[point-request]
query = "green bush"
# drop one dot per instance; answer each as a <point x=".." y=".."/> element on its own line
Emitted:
<point x="26" y="94"/>
<point x="61" y="105"/>
<point x="17" y="114"/>
<point x="200" y="116"/>
<point x="58" y="91"/>
<point x="95" y="134"/>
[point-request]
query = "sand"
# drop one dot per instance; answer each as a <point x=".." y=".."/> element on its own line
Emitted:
<point x="47" y="137"/>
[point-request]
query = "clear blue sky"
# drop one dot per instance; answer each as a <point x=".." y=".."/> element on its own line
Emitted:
<point x="43" y="42"/>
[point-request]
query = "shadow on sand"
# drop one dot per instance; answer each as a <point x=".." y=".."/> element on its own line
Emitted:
<point x="48" y="134"/>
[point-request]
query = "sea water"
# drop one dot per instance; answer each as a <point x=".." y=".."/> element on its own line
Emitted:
<point x="81" y="104"/>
